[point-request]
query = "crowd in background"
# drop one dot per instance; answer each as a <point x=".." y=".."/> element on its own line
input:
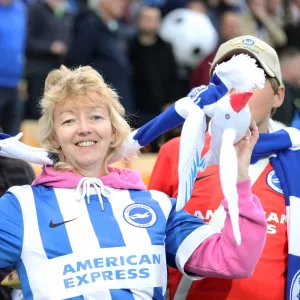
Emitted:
<point x="120" y="39"/>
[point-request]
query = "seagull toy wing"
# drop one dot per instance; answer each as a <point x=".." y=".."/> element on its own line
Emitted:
<point x="241" y="73"/>
<point x="12" y="147"/>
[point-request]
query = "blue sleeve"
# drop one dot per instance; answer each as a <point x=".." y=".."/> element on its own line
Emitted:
<point x="157" y="126"/>
<point x="11" y="230"/>
<point x="180" y="225"/>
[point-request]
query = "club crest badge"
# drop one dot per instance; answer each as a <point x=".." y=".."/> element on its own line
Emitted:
<point x="140" y="215"/>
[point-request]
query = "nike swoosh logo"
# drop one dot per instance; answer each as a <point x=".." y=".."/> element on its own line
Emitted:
<point x="53" y="225"/>
<point x="202" y="177"/>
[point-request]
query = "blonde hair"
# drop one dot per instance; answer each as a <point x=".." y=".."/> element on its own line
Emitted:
<point x="64" y="83"/>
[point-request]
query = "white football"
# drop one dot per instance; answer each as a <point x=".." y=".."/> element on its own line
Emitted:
<point x="191" y="35"/>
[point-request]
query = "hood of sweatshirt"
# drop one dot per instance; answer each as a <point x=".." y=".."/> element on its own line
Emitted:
<point x="117" y="178"/>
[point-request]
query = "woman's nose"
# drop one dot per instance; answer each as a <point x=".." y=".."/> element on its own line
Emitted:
<point x="84" y="126"/>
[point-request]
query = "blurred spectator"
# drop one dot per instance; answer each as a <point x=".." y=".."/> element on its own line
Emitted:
<point x="49" y="27"/>
<point x="97" y="42"/>
<point x="293" y="29"/>
<point x="290" y="66"/>
<point x="197" y="5"/>
<point x="217" y="8"/>
<point x="12" y="44"/>
<point x="259" y="23"/>
<point x="170" y="5"/>
<point x="153" y="3"/>
<point x="275" y="10"/>
<point x="229" y="29"/>
<point x="12" y="172"/>
<point x="153" y="87"/>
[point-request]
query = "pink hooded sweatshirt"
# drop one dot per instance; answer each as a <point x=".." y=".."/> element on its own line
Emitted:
<point x="219" y="255"/>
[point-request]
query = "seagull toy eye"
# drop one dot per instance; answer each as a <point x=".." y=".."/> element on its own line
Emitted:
<point x="227" y="116"/>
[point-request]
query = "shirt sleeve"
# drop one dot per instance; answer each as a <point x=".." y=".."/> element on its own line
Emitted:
<point x="11" y="230"/>
<point x="184" y="234"/>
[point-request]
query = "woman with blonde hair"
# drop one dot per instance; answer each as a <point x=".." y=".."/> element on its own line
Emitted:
<point x="86" y="230"/>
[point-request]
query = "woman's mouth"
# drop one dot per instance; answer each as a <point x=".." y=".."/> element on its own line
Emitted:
<point x="86" y="144"/>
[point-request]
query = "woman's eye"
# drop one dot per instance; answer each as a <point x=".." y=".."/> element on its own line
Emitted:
<point x="67" y="122"/>
<point x="96" y="117"/>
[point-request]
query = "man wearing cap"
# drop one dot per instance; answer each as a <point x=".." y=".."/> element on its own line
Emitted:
<point x="268" y="281"/>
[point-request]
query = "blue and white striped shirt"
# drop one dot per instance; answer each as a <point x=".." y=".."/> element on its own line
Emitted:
<point x="69" y="249"/>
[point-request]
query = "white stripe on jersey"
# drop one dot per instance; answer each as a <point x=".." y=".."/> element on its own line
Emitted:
<point x="36" y="266"/>
<point x="164" y="202"/>
<point x="70" y="209"/>
<point x="130" y="233"/>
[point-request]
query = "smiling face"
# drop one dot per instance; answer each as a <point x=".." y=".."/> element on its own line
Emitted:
<point x="83" y="132"/>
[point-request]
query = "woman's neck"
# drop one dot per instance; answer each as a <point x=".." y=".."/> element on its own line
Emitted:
<point x="92" y="173"/>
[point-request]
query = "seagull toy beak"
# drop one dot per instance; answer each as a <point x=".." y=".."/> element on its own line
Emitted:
<point x="238" y="101"/>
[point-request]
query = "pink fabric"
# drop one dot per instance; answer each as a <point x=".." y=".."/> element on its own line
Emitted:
<point x="117" y="178"/>
<point x="219" y="255"/>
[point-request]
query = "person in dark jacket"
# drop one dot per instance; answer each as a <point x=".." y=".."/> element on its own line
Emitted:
<point x="49" y="32"/>
<point x="154" y="68"/>
<point x="97" y="41"/>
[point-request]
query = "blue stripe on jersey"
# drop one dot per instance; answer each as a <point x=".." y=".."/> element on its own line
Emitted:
<point x="180" y="224"/>
<point x="105" y="225"/>
<point x="76" y="298"/>
<point x="124" y="294"/>
<point x="157" y="231"/>
<point x="158" y="294"/>
<point x="27" y="293"/>
<point x="47" y="209"/>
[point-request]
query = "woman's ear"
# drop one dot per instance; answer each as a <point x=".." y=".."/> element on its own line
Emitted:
<point x="54" y="142"/>
<point x="279" y="97"/>
<point x="113" y="135"/>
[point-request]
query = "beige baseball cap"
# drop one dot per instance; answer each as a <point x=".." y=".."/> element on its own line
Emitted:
<point x="265" y="54"/>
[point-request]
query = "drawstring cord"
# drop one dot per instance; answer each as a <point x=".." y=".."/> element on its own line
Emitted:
<point x="84" y="189"/>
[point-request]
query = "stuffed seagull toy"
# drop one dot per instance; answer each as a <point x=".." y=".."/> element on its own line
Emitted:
<point x="230" y="120"/>
<point x="240" y="73"/>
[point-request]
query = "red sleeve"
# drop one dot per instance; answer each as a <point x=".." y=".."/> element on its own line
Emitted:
<point x="164" y="175"/>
